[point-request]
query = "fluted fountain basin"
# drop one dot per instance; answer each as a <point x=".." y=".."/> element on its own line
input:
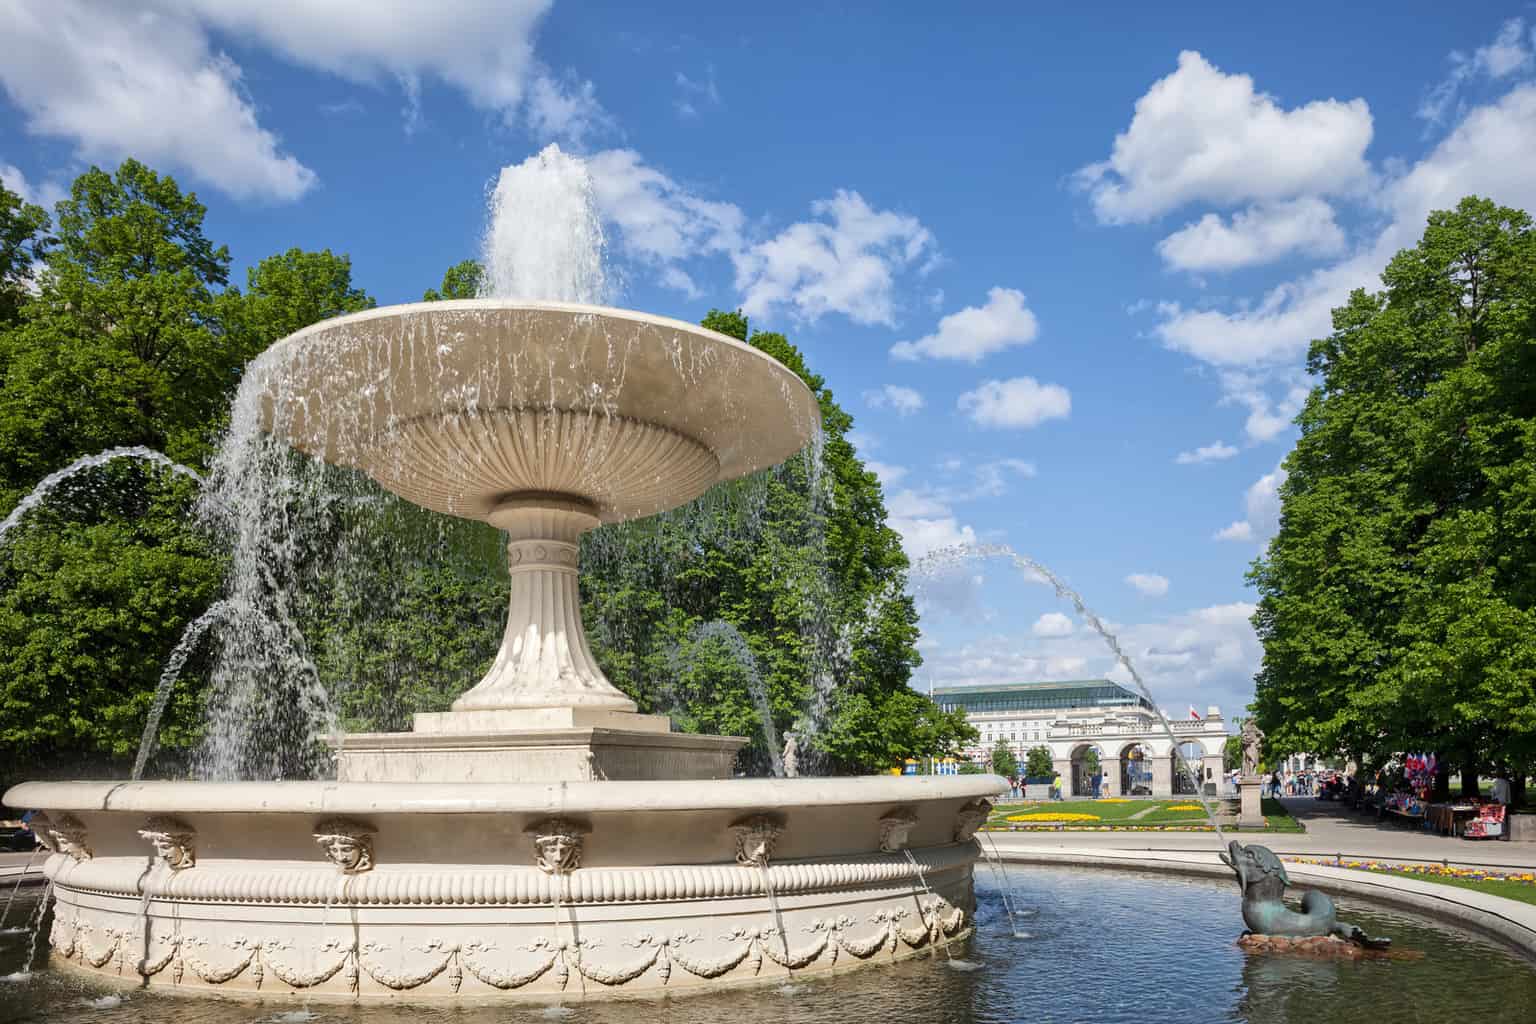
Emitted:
<point x="457" y="406"/>
<point x="483" y="891"/>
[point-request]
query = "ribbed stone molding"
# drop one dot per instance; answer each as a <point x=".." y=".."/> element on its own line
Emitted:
<point x="544" y="660"/>
<point x="365" y="891"/>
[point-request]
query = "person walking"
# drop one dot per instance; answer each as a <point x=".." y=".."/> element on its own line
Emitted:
<point x="1056" y="786"/>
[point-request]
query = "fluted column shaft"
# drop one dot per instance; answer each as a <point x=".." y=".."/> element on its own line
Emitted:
<point x="544" y="660"/>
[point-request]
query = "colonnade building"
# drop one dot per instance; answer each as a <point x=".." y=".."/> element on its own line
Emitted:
<point x="1070" y="718"/>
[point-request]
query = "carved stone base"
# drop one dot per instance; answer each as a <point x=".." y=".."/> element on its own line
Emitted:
<point x="1322" y="947"/>
<point x="480" y="891"/>
<point x="1250" y="812"/>
<point x="532" y="754"/>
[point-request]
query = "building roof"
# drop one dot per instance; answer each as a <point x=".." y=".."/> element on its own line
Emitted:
<point x="1039" y="696"/>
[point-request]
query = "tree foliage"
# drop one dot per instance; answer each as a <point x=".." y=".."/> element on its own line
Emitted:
<point x="460" y="281"/>
<point x="24" y="241"/>
<point x="1398" y="600"/>
<point x="1038" y="763"/>
<point x="1004" y="762"/>
<point x="800" y="562"/>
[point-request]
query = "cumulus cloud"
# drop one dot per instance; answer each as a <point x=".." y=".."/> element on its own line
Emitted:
<point x="844" y="261"/>
<point x="886" y="473"/>
<point x="1149" y="584"/>
<point x="976" y="331"/>
<point x="1052" y="624"/>
<point x="659" y="222"/>
<point x="1200" y="134"/>
<point x="926" y="523"/>
<point x="566" y="108"/>
<point x="144" y="83"/>
<point x="1273" y="399"/>
<point x="903" y="401"/>
<point x="1260" y="234"/>
<point x="1510" y="53"/>
<point x="1261" y="504"/>
<point x="1206" y="453"/>
<point x="1015" y="403"/>
<point x="147" y="79"/>
<point x="1488" y="153"/>
<point x="1201" y="656"/>
<point x="847" y="260"/>
<point x="44" y="193"/>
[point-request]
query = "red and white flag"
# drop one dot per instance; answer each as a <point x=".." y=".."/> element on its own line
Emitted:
<point x="1193" y="714"/>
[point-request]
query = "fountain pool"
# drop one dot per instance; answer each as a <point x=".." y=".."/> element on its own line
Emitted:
<point x="1109" y="947"/>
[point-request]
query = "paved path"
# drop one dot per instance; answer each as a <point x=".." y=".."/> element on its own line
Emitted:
<point x="1331" y="829"/>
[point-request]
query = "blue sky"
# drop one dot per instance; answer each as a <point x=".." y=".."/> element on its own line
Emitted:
<point x="1061" y="265"/>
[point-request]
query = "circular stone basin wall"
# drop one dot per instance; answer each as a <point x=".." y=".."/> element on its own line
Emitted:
<point x="367" y="891"/>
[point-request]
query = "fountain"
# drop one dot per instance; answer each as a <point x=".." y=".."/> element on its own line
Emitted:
<point x="541" y="838"/>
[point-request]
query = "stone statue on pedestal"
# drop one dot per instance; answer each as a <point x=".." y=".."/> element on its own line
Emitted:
<point x="791" y="757"/>
<point x="1253" y="742"/>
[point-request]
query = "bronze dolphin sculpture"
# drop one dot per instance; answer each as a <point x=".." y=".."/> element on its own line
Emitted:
<point x="1263" y="880"/>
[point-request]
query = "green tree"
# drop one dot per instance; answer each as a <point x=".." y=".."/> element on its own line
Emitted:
<point x="1003" y="761"/>
<point x="24" y="241"/>
<point x="1091" y="761"/>
<point x="461" y="281"/>
<point x="1397" y="599"/>
<point x="1038" y="763"/>
<point x="800" y="561"/>
<point x="122" y="344"/>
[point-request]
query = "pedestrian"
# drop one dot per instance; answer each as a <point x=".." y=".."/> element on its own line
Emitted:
<point x="1056" y="786"/>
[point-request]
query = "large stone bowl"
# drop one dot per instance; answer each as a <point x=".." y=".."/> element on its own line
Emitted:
<point x="362" y="891"/>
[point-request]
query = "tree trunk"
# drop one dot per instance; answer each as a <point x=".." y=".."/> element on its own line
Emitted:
<point x="1442" y="791"/>
<point x="1469" y="777"/>
<point x="1517" y="787"/>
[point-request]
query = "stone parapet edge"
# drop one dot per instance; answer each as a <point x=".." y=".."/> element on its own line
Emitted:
<point x="1508" y="921"/>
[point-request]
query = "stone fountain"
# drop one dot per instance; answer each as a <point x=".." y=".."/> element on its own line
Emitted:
<point x="540" y="839"/>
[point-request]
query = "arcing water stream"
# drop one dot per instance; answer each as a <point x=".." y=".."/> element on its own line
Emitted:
<point x="947" y="559"/>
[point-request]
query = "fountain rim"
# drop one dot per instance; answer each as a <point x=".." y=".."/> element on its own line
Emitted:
<point x="575" y="308"/>
<point x="639" y="796"/>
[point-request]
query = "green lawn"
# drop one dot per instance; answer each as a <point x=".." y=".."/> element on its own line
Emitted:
<point x="1525" y="892"/>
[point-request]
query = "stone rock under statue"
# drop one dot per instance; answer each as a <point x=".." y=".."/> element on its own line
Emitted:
<point x="1263" y="881"/>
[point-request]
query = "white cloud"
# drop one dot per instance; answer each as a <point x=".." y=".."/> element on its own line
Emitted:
<point x="845" y="262"/>
<point x="1202" y="135"/>
<point x="1239" y="530"/>
<point x="887" y="474"/>
<point x="1260" y="234"/>
<point x="991" y="477"/>
<point x="144" y="83"/>
<point x="1206" y="453"/>
<point x="903" y="401"/>
<point x="1489" y="153"/>
<point x="43" y="194"/>
<point x="147" y="80"/>
<point x="926" y="522"/>
<point x="483" y="48"/>
<point x="1018" y="402"/>
<point x="1052" y="624"/>
<point x="661" y="223"/>
<point x="1202" y="656"/>
<point x="976" y="331"/>
<point x="565" y="108"/>
<point x="694" y="95"/>
<point x="1269" y="415"/>
<point x="1508" y="54"/>
<point x="1148" y="583"/>
<point x="1262" y="507"/>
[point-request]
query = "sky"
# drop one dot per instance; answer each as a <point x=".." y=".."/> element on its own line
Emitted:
<point x="1061" y="263"/>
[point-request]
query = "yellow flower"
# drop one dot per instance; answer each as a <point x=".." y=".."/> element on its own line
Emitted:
<point x="1049" y="816"/>
<point x="1186" y="807"/>
<point x="1112" y="800"/>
